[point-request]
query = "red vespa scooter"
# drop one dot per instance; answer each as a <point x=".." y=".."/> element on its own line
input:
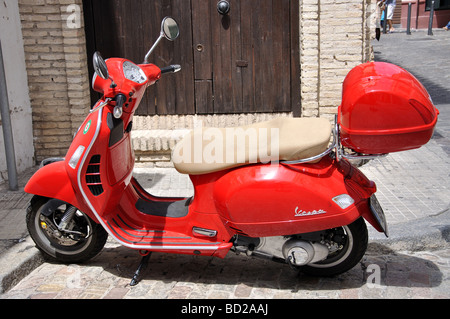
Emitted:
<point x="276" y="189"/>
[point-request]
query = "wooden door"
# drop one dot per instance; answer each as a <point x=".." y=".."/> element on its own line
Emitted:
<point x="128" y="28"/>
<point x="244" y="62"/>
<point x="247" y="60"/>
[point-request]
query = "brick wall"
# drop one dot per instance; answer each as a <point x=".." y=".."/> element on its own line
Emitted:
<point x="333" y="40"/>
<point x="55" y="53"/>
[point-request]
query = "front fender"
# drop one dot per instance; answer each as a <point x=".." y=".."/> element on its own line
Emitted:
<point x="52" y="181"/>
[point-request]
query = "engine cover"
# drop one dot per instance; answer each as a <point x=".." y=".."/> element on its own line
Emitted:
<point x="300" y="252"/>
<point x="295" y="251"/>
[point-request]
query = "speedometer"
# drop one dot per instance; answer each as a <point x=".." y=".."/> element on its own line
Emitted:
<point x="133" y="73"/>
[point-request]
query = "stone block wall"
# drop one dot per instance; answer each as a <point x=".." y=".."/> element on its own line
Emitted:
<point x="56" y="61"/>
<point x="335" y="36"/>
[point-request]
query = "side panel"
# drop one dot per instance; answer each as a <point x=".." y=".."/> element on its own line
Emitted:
<point x="276" y="200"/>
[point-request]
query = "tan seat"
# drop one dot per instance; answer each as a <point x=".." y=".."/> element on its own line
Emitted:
<point x="207" y="150"/>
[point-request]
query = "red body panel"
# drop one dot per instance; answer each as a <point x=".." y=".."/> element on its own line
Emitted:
<point x="276" y="200"/>
<point x="52" y="181"/>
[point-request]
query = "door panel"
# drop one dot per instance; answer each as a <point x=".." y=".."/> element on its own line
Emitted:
<point x="128" y="28"/>
<point x="243" y="62"/>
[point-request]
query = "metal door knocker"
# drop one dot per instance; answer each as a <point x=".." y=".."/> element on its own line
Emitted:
<point x="223" y="7"/>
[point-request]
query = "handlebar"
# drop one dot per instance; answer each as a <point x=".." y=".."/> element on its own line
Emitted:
<point x="121" y="99"/>
<point x="171" y="68"/>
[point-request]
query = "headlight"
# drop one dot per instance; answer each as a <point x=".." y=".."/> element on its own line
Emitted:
<point x="76" y="156"/>
<point x="133" y="73"/>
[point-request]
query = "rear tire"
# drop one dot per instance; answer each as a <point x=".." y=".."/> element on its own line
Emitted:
<point x="59" y="246"/>
<point x="351" y="253"/>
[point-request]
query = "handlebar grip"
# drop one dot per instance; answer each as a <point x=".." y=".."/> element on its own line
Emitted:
<point x="171" y="68"/>
<point x="120" y="99"/>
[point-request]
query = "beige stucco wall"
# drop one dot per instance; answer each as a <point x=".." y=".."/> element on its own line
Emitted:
<point x="16" y="82"/>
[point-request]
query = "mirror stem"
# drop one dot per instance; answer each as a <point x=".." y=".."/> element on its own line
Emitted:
<point x="147" y="56"/>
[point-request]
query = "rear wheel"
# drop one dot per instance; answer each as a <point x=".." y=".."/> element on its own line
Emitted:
<point x="81" y="240"/>
<point x="347" y="246"/>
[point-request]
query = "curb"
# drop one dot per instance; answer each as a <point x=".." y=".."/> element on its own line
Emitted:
<point x="427" y="233"/>
<point x="17" y="263"/>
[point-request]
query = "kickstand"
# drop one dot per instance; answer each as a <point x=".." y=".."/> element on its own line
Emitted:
<point x="142" y="266"/>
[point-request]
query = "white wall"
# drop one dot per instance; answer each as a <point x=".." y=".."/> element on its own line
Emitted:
<point x="16" y="79"/>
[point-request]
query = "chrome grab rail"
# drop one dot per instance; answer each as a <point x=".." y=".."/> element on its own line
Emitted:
<point x="339" y="151"/>
<point x="316" y="157"/>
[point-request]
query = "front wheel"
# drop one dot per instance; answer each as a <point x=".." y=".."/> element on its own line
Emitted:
<point x="350" y="244"/>
<point x="79" y="241"/>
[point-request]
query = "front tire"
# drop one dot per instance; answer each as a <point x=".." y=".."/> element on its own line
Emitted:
<point x="84" y="241"/>
<point x="353" y="247"/>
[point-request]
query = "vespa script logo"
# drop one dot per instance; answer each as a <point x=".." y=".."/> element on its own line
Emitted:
<point x="302" y="213"/>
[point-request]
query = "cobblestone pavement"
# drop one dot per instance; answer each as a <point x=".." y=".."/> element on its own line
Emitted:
<point x="381" y="274"/>
<point x="411" y="186"/>
<point x="12" y="208"/>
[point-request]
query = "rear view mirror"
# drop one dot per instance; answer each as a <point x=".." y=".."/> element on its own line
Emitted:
<point x="169" y="30"/>
<point x="100" y="66"/>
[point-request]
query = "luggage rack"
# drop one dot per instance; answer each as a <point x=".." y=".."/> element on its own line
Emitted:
<point x="338" y="149"/>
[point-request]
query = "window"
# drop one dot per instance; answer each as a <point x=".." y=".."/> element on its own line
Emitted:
<point x="438" y="5"/>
